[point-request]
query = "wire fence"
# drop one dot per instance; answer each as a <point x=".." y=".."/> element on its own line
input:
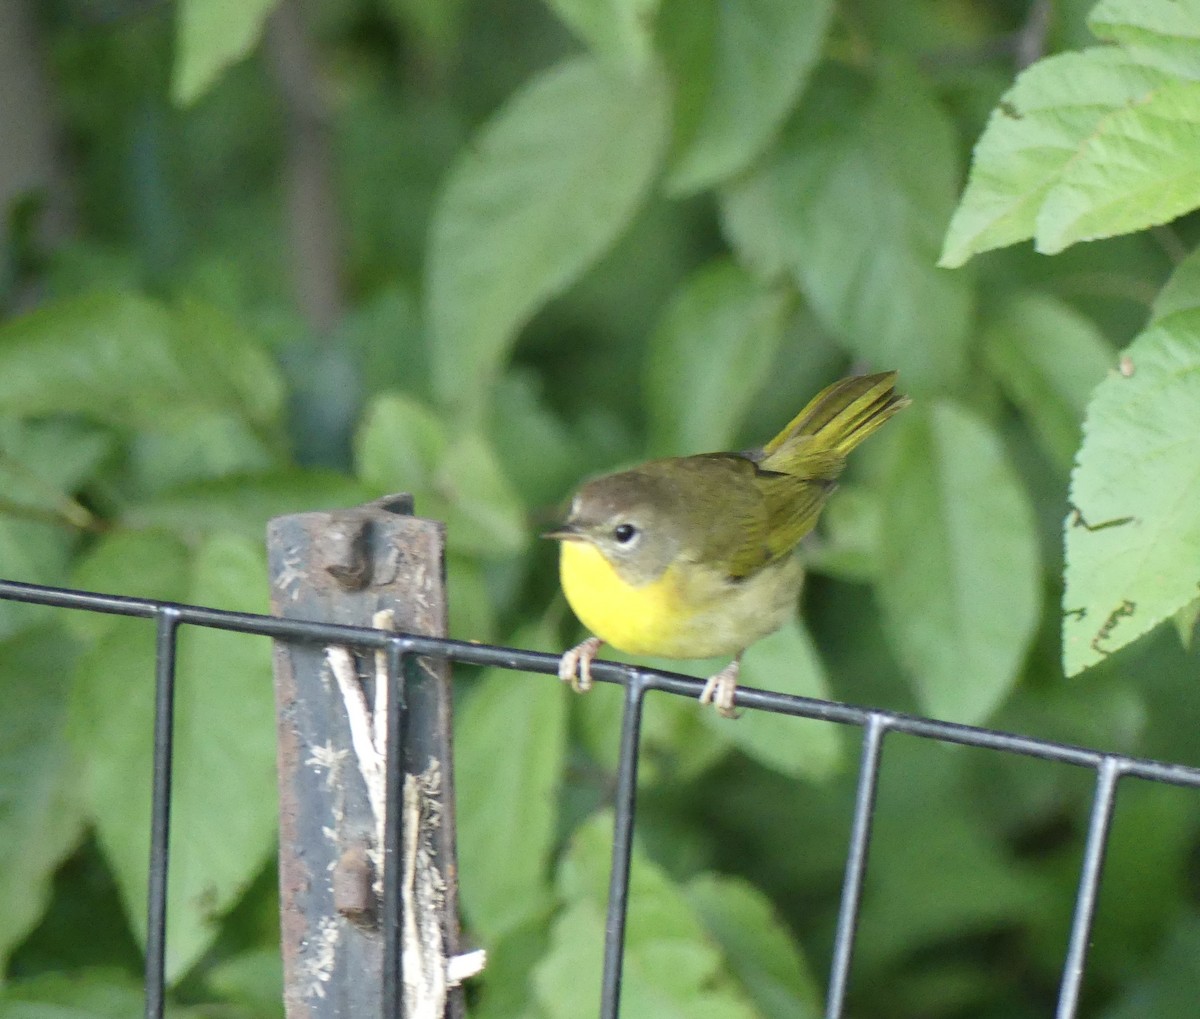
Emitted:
<point x="1108" y="769"/>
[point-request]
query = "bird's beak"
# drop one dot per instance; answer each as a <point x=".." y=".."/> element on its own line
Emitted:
<point x="567" y="532"/>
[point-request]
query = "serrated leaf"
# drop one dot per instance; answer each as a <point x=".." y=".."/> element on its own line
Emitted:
<point x="851" y="202"/>
<point x="1133" y="536"/>
<point x="762" y="953"/>
<point x="1040" y="126"/>
<point x="40" y="815"/>
<point x="708" y="358"/>
<point x="510" y="748"/>
<point x="959" y="582"/>
<point x="211" y="35"/>
<point x="672" y="967"/>
<point x="1048" y="358"/>
<point x="619" y="32"/>
<point x="223" y="812"/>
<point x="1139" y="168"/>
<point x="1163" y="33"/>
<point x="133" y="363"/>
<point x="764" y="51"/>
<point x="544" y="189"/>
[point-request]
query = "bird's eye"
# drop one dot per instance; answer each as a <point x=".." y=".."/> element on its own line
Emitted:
<point x="625" y="533"/>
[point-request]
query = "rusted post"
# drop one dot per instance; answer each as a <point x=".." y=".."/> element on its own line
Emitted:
<point x="348" y="566"/>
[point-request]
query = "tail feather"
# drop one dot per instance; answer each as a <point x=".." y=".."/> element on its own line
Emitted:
<point x="835" y="421"/>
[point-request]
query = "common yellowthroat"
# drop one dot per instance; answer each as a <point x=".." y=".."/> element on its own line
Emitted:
<point x="693" y="556"/>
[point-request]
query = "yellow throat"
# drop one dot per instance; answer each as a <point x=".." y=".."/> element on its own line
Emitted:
<point x="640" y="620"/>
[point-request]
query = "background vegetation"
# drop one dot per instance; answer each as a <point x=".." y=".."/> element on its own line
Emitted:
<point x="275" y="256"/>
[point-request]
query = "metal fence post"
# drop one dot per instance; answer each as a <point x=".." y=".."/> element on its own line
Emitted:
<point x="346" y="567"/>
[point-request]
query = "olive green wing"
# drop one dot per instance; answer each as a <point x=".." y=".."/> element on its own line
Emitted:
<point x="793" y="504"/>
<point x="731" y="521"/>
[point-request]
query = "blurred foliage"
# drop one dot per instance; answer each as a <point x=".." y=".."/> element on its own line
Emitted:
<point x="557" y="238"/>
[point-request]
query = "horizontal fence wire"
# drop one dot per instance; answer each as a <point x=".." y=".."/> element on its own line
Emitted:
<point x="875" y="724"/>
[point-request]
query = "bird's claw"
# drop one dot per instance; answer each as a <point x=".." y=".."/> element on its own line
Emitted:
<point x="575" y="667"/>
<point x="720" y="689"/>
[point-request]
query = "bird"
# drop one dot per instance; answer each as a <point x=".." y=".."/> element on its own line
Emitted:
<point x="695" y="556"/>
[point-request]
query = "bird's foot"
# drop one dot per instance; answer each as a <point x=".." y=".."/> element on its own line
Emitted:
<point x="720" y="689"/>
<point x="575" y="667"/>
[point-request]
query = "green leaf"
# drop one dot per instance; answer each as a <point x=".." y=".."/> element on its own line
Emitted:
<point x="762" y="952"/>
<point x="223" y="812"/>
<point x="851" y="536"/>
<point x="1162" y="33"/>
<point x="764" y="52"/>
<point x="399" y="443"/>
<point x="254" y="978"/>
<point x="484" y="515"/>
<point x="211" y="35"/>
<point x="787" y="662"/>
<point x="40" y="815"/>
<point x="1139" y="168"/>
<point x="959" y="583"/>
<point x="1186" y="620"/>
<point x="403" y="446"/>
<point x="42" y="464"/>
<point x="438" y="23"/>
<point x="1048" y="358"/>
<point x="510" y="749"/>
<point x="940" y="872"/>
<point x="1133" y="537"/>
<point x="1042" y="124"/>
<point x="1181" y="292"/>
<point x="90" y="994"/>
<point x="537" y="452"/>
<point x="1168" y="985"/>
<point x="619" y="32"/>
<point x="851" y="202"/>
<point x="243" y="504"/>
<point x="708" y="358"/>
<point x="672" y="967"/>
<point x="504" y="987"/>
<point x="204" y="446"/>
<point x="133" y="363"/>
<point x="541" y="193"/>
<point x="472" y="606"/>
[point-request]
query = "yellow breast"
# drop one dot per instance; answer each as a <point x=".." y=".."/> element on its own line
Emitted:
<point x="688" y="612"/>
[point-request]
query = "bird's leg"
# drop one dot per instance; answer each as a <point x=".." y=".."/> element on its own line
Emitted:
<point x="721" y="687"/>
<point x="575" y="667"/>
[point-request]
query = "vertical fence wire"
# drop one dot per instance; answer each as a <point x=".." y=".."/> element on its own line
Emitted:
<point x="160" y="809"/>
<point x="622" y="853"/>
<point x="1103" y="803"/>
<point x="856" y="865"/>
